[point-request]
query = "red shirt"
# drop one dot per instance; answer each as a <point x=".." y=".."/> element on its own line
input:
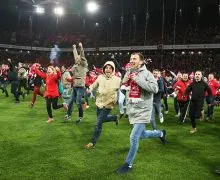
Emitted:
<point x="214" y="85"/>
<point x="181" y="86"/>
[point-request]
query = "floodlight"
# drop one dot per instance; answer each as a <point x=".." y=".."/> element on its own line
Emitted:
<point x="39" y="10"/>
<point x="59" y="11"/>
<point x="92" y="7"/>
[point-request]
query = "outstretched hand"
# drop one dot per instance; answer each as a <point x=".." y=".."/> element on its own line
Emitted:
<point x="80" y="45"/>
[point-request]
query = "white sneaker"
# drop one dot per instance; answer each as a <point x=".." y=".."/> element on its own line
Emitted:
<point x="166" y="112"/>
<point x="87" y="107"/>
<point x="161" y="119"/>
<point x="177" y="115"/>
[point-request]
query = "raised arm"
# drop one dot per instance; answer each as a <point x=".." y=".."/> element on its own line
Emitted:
<point x="39" y="73"/>
<point x="75" y="53"/>
<point x="82" y="53"/>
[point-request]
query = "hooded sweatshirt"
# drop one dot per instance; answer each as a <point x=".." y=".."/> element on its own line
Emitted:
<point x="107" y="88"/>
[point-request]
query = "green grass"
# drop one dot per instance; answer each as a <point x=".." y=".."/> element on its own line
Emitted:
<point x="32" y="149"/>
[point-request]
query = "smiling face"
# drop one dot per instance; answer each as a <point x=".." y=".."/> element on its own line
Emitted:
<point x="108" y="70"/>
<point x="156" y="73"/>
<point x="49" y="70"/>
<point x="211" y="77"/>
<point x="136" y="61"/>
<point x="185" y="77"/>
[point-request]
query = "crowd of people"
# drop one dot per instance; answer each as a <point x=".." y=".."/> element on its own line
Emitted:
<point x="141" y="94"/>
<point x="184" y="35"/>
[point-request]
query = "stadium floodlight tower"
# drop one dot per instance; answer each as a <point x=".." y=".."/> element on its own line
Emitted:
<point x="59" y="11"/>
<point x="39" y="10"/>
<point x="92" y="7"/>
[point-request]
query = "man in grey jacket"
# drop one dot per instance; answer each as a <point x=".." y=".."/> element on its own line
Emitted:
<point x="139" y="106"/>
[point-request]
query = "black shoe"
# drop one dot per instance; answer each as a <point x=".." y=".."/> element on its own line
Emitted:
<point x="126" y="116"/>
<point x="163" y="138"/>
<point x="79" y="121"/>
<point x="117" y="120"/>
<point x="181" y="122"/>
<point x="121" y="115"/>
<point x="124" y="169"/>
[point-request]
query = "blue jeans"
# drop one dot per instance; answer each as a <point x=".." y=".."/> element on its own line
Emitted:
<point x="77" y="95"/>
<point x="156" y="111"/>
<point x="210" y="111"/>
<point x="139" y="131"/>
<point x="102" y="117"/>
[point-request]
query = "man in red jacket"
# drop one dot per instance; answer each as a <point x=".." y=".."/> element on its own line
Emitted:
<point x="214" y="85"/>
<point x="183" y="101"/>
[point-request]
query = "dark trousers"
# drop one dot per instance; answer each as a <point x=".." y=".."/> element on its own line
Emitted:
<point x="195" y="109"/>
<point x="102" y="117"/>
<point x="14" y="89"/>
<point x="3" y="86"/>
<point x="210" y="100"/>
<point x="183" y="105"/>
<point x="53" y="102"/>
<point x="165" y="102"/>
<point x="176" y="105"/>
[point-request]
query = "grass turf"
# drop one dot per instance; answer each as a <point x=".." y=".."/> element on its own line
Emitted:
<point x="32" y="149"/>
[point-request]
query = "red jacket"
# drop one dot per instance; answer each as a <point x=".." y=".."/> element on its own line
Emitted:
<point x="181" y="86"/>
<point x="51" y="81"/>
<point x="214" y="85"/>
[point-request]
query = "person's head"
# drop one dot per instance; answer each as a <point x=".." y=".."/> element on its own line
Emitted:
<point x="185" y="77"/>
<point x="179" y="75"/>
<point x="63" y="68"/>
<point x="136" y="60"/>
<point x="109" y="68"/>
<point x="156" y="73"/>
<point x="211" y="77"/>
<point x="51" y="70"/>
<point x="198" y="75"/>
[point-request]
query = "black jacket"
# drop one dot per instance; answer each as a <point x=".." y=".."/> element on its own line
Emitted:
<point x="198" y="90"/>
